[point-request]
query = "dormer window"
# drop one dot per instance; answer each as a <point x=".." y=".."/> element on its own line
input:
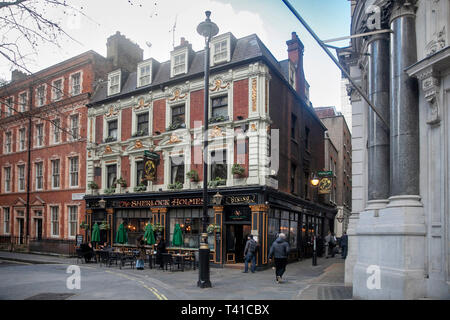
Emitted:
<point x="179" y="64"/>
<point x="114" y="83"/>
<point x="144" y="73"/>
<point x="220" y="49"/>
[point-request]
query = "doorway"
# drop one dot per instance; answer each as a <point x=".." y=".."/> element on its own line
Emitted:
<point x="38" y="229"/>
<point x="21" y="230"/>
<point x="235" y="239"/>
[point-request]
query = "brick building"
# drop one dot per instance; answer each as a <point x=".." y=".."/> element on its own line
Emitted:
<point x="339" y="137"/>
<point x="43" y="152"/>
<point x="259" y="113"/>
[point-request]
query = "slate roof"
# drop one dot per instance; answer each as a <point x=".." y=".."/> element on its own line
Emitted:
<point x="245" y="49"/>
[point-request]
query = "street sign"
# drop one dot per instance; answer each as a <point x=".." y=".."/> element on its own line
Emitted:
<point x="325" y="173"/>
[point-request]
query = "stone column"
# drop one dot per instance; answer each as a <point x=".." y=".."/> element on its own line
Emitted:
<point x="260" y="224"/>
<point x="378" y="133"/>
<point x="404" y="104"/>
<point x="218" y="219"/>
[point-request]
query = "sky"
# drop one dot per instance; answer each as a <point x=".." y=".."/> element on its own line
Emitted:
<point x="149" y="23"/>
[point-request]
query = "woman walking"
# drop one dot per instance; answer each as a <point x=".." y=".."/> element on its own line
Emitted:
<point x="141" y="258"/>
<point x="279" y="251"/>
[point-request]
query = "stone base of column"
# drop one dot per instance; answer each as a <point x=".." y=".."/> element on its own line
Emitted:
<point x="391" y="251"/>
<point x="352" y="252"/>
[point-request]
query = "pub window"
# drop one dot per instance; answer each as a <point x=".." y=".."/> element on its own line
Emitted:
<point x="139" y="172"/>
<point x="219" y="107"/>
<point x="114" y="83"/>
<point x="190" y="221"/>
<point x="144" y="74"/>
<point x="219" y="165"/>
<point x="111" y="176"/>
<point x="177" y="169"/>
<point x="220" y="51"/>
<point x="179" y="64"/>
<point x="142" y="124"/>
<point x="178" y="115"/>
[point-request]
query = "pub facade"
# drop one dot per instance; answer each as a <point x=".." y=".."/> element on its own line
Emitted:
<point x="145" y="150"/>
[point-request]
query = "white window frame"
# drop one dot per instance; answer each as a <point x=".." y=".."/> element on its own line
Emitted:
<point x="7" y="180"/>
<point x="53" y="221"/>
<point x="38" y="97"/>
<point x="9" y="104"/>
<point x="174" y="55"/>
<point x="39" y="142"/>
<point x="22" y="138"/>
<point x="112" y="76"/>
<point x="21" y="177"/>
<point x="141" y="65"/>
<point x="72" y="84"/>
<point x="57" y="93"/>
<point x="23" y="102"/>
<point x="72" y="128"/>
<point x="218" y="40"/>
<point x="74" y="172"/>
<point x="56" y="131"/>
<point x="8" y="142"/>
<point x="58" y="175"/>
<point x="71" y="222"/>
<point x="6" y="222"/>
<point x="41" y="176"/>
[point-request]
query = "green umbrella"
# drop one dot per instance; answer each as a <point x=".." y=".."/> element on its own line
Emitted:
<point x="95" y="233"/>
<point x="121" y="236"/>
<point x="149" y="235"/>
<point x="177" y="236"/>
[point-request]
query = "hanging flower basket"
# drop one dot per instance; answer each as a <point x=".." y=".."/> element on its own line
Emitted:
<point x="158" y="227"/>
<point x="84" y="225"/>
<point x="213" y="227"/>
<point x="105" y="226"/>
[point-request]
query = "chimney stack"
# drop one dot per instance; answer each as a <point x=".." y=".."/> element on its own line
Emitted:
<point x="123" y="53"/>
<point x="17" y="75"/>
<point x="295" y="54"/>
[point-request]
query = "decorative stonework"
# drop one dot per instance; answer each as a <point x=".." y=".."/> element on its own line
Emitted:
<point x="218" y="85"/>
<point x="436" y="44"/>
<point x="174" y="139"/>
<point x="254" y="82"/>
<point x="216" y="132"/>
<point x="111" y="112"/>
<point x="138" y="144"/>
<point x="141" y="104"/>
<point x="177" y="95"/>
<point x="253" y="127"/>
<point x="108" y="150"/>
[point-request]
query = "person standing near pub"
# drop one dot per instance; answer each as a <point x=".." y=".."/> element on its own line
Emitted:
<point x="250" y="253"/>
<point x="141" y="258"/>
<point x="160" y="249"/>
<point x="279" y="251"/>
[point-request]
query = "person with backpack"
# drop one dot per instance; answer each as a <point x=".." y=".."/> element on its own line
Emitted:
<point x="279" y="251"/>
<point x="250" y="253"/>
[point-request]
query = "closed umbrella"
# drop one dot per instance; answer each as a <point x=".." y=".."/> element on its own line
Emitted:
<point x="149" y="235"/>
<point x="95" y="233"/>
<point x="121" y="236"/>
<point x="177" y="236"/>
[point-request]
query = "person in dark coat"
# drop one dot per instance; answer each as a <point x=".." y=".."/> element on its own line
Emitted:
<point x="141" y="258"/>
<point x="88" y="251"/>
<point x="250" y="253"/>
<point x="344" y="245"/>
<point x="160" y="249"/>
<point x="279" y="251"/>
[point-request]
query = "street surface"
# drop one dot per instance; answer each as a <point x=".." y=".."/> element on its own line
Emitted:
<point x="26" y="276"/>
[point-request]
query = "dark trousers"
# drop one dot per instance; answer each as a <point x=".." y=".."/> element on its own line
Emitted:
<point x="344" y="251"/>
<point x="250" y="257"/>
<point x="280" y="266"/>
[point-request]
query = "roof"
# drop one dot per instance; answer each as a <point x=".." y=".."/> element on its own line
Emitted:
<point x="246" y="48"/>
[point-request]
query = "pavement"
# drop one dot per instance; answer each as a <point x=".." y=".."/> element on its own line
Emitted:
<point x="302" y="281"/>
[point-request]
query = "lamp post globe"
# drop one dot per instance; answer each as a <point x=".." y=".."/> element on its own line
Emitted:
<point x="207" y="29"/>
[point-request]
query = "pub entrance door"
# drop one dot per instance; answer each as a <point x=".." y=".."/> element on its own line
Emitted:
<point x="235" y="240"/>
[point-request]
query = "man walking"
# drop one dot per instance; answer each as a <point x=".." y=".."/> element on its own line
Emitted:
<point x="344" y="245"/>
<point x="250" y="253"/>
<point x="279" y="250"/>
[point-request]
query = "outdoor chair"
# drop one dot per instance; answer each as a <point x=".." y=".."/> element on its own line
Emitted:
<point x="167" y="260"/>
<point x="127" y="258"/>
<point x="80" y="255"/>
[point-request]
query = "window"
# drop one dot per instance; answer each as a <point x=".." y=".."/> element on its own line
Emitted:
<point x="39" y="135"/>
<point x="219" y="164"/>
<point x="9" y="107"/>
<point x="23" y="102"/>
<point x="111" y="175"/>
<point x="190" y="221"/>
<point x="306" y="138"/>
<point x="22" y="139"/>
<point x="144" y="74"/>
<point x="139" y="172"/>
<point x="73" y="220"/>
<point x="40" y="96"/>
<point x="177" y="169"/>
<point x="39" y="174"/>
<point x="179" y="65"/>
<point x="293" y="174"/>
<point x="142" y="124"/>
<point x="73" y="172"/>
<point x="220" y="107"/>
<point x="76" y="84"/>
<point x="220" y="51"/>
<point x="74" y="126"/>
<point x="114" y="83"/>
<point x="112" y="130"/>
<point x="56" y="130"/>
<point x="57" y="89"/>
<point x="54" y="221"/>
<point x="55" y="173"/>
<point x="21" y="177"/>
<point x="8" y="142"/>
<point x="6" y="219"/>
<point x="293" y="126"/>
<point x="7" y="179"/>
<point x="178" y="115"/>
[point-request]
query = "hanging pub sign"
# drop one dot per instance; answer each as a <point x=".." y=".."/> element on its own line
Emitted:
<point x="238" y="213"/>
<point x="325" y="185"/>
<point x="151" y="160"/>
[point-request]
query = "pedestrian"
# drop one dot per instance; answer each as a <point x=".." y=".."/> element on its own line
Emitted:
<point x="141" y="258"/>
<point x="250" y="253"/>
<point x="344" y="245"/>
<point x="333" y="243"/>
<point x="160" y="249"/>
<point x="279" y="251"/>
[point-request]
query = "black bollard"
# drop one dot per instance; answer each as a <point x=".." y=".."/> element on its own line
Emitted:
<point x="314" y="258"/>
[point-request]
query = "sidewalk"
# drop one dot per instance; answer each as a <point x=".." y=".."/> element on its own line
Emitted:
<point x="36" y="258"/>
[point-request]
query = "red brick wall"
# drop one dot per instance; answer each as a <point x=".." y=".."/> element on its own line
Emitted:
<point x="126" y="124"/>
<point x="240" y="99"/>
<point x="197" y="98"/>
<point x="125" y="169"/>
<point x="159" y="116"/>
<point x="99" y="129"/>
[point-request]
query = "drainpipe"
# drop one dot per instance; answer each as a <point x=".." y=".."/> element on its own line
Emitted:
<point x="29" y="165"/>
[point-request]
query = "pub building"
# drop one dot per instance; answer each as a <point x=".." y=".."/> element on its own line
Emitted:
<point x="145" y="149"/>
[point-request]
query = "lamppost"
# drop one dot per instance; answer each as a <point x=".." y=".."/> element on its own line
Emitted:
<point x="207" y="29"/>
<point x="314" y="181"/>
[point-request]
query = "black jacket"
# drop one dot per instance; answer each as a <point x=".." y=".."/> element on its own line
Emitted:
<point x="279" y="249"/>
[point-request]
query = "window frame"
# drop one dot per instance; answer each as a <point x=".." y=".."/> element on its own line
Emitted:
<point x="72" y="223"/>
<point x="54" y="222"/>
<point x="73" y="172"/>
<point x="22" y="139"/>
<point x="74" y="130"/>
<point x="8" y="142"/>
<point x="23" y="102"/>
<point x="39" y="135"/>
<point x="56" y="131"/>
<point x="212" y="107"/>
<point x="57" y="93"/>
<point x="7" y="180"/>
<point x="173" y="178"/>
<point x="73" y="85"/>
<point x="145" y="65"/>
<point x="112" y="76"/>
<point x="108" y="185"/>
<point x="20" y="178"/>
<point x="9" y="104"/>
<point x="108" y="129"/>
<point x="56" y="175"/>
<point x="6" y="222"/>
<point x="138" y="115"/>
<point x="39" y="179"/>
<point x="41" y="89"/>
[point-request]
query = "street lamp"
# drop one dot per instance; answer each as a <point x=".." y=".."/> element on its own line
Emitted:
<point x="207" y="29"/>
<point x="315" y="180"/>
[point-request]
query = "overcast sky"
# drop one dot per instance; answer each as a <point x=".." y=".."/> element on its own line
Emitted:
<point x="152" y="21"/>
